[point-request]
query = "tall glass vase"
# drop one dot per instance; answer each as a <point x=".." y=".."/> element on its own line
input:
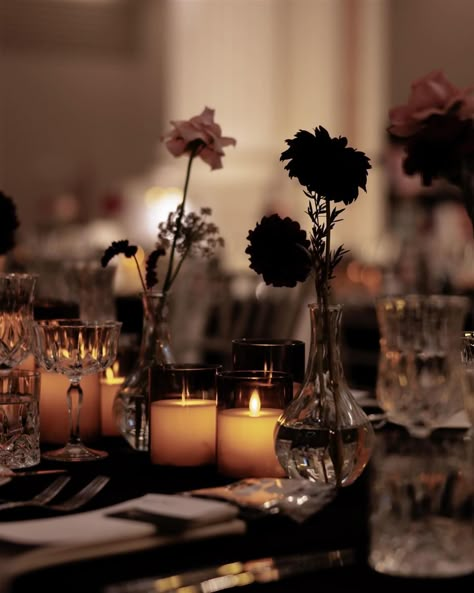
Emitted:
<point x="324" y="435"/>
<point x="131" y="402"/>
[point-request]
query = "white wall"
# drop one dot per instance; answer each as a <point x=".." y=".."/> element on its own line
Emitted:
<point x="72" y="119"/>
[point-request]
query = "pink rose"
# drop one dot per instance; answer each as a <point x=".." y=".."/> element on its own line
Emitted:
<point x="200" y="127"/>
<point x="432" y="94"/>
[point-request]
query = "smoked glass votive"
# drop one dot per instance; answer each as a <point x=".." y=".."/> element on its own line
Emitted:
<point x="284" y="355"/>
<point x="182" y="414"/>
<point x="249" y="405"/>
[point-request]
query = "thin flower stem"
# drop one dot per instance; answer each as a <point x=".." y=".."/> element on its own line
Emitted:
<point x="333" y="375"/>
<point x="142" y="280"/>
<point x="169" y="274"/>
<point x="178" y="267"/>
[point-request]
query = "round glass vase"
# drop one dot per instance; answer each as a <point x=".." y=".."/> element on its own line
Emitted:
<point x="130" y="406"/>
<point x="324" y="435"/>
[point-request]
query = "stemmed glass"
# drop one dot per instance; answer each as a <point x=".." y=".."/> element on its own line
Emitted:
<point x="16" y="315"/>
<point x="75" y="348"/>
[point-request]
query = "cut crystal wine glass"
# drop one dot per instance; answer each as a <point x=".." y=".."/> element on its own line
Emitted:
<point x="75" y="348"/>
<point x="16" y="315"/>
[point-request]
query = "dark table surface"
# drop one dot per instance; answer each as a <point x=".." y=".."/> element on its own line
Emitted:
<point x="339" y="525"/>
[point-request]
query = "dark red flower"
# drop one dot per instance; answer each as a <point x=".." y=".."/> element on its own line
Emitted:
<point x="439" y="148"/>
<point x="279" y="251"/>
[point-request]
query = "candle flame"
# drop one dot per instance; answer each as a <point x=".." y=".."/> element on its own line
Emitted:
<point x="268" y="370"/>
<point x="185" y="392"/>
<point x="254" y="403"/>
<point x="112" y="372"/>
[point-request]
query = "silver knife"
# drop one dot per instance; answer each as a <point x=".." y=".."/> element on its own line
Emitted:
<point x="38" y="472"/>
<point x="238" y="574"/>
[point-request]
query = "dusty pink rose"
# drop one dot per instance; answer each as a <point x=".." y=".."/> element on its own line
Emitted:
<point x="200" y="127"/>
<point x="430" y="95"/>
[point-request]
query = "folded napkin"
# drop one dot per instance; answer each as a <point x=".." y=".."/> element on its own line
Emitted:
<point x="138" y="517"/>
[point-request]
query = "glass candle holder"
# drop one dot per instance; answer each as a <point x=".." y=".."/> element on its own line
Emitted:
<point x="249" y="405"/>
<point x="262" y="354"/>
<point x="182" y="414"/>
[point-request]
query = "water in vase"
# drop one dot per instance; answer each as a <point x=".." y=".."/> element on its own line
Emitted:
<point x="308" y="452"/>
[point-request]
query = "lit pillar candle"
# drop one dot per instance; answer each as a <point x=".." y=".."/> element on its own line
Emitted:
<point x="183" y="432"/>
<point x="28" y="364"/>
<point x="245" y="441"/>
<point x="109" y="386"/>
<point x="54" y="419"/>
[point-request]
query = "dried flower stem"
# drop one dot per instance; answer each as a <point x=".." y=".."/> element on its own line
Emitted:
<point x="142" y="280"/>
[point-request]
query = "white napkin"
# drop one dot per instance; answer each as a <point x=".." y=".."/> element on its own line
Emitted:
<point x="96" y="526"/>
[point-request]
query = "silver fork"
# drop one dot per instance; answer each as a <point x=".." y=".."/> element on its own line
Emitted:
<point x="80" y="498"/>
<point x="41" y="498"/>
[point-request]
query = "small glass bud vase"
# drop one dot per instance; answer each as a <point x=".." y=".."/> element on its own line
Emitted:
<point x="131" y="403"/>
<point x="324" y="435"/>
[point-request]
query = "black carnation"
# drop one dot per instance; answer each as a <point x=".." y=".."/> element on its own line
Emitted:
<point x="116" y="248"/>
<point x="279" y="251"/>
<point x="326" y="166"/>
<point x="151" y="277"/>
<point x="8" y="223"/>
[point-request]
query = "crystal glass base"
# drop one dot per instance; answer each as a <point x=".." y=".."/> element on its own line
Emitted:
<point x="72" y="453"/>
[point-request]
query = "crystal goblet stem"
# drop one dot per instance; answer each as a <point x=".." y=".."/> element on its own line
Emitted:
<point x="74" y="450"/>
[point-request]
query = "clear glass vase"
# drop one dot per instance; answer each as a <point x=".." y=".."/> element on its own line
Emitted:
<point x="324" y="435"/>
<point x="131" y="402"/>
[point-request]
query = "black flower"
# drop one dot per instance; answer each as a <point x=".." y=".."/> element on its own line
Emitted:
<point x="116" y="248"/>
<point x="8" y="223"/>
<point x="151" y="277"/>
<point x="279" y="251"/>
<point x="439" y="148"/>
<point x="326" y="166"/>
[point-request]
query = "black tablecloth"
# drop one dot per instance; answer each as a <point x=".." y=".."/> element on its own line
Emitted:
<point x="341" y="524"/>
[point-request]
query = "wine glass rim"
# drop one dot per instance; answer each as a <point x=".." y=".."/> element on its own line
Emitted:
<point x="422" y="298"/>
<point x="77" y="322"/>
<point x="21" y="275"/>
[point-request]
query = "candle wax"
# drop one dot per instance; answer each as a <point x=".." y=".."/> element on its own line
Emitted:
<point x="245" y="443"/>
<point x="108" y="391"/>
<point x="183" y="433"/>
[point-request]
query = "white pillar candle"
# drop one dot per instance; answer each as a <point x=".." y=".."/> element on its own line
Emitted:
<point x="109" y="387"/>
<point x="28" y="364"/>
<point x="245" y="442"/>
<point x="183" y="432"/>
<point x="54" y="419"/>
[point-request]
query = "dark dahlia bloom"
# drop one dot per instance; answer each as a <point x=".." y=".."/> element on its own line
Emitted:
<point x="326" y="166"/>
<point x="8" y="223"/>
<point x="278" y="251"/>
<point x="439" y="149"/>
